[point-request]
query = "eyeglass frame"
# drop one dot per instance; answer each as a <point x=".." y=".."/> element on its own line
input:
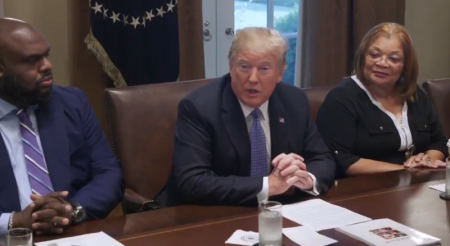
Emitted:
<point x="384" y="58"/>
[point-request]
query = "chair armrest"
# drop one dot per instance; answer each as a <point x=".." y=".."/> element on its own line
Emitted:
<point x="135" y="203"/>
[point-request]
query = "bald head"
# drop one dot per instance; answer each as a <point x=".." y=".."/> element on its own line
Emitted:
<point x="13" y="30"/>
<point x="24" y="64"/>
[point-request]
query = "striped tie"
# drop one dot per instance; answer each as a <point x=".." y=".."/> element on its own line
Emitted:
<point x="37" y="170"/>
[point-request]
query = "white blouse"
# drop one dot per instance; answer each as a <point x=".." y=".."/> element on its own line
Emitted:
<point x="402" y="127"/>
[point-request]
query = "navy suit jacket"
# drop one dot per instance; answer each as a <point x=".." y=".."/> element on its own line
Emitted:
<point x="78" y="156"/>
<point x="212" y="146"/>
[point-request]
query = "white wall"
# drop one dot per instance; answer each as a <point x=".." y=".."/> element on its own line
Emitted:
<point x="428" y="22"/>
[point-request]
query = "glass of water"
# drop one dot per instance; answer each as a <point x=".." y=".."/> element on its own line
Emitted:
<point x="19" y="237"/>
<point x="270" y="223"/>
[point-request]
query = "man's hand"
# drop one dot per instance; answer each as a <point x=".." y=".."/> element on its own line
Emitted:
<point x="52" y="213"/>
<point x="423" y="160"/>
<point x="23" y="219"/>
<point x="288" y="170"/>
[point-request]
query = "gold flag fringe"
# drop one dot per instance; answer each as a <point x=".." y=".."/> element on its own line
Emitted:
<point x="108" y="66"/>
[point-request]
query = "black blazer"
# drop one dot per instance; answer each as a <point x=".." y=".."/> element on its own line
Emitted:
<point x="212" y="146"/>
<point x="354" y="128"/>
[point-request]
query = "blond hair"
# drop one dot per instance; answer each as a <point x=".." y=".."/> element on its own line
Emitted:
<point x="407" y="85"/>
<point x="259" y="41"/>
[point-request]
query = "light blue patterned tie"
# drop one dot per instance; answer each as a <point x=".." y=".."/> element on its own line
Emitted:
<point x="258" y="147"/>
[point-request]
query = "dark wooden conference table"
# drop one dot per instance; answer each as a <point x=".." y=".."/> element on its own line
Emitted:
<point x="403" y="196"/>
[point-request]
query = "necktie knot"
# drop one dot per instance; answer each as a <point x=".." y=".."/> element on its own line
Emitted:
<point x="256" y="113"/>
<point x="23" y="116"/>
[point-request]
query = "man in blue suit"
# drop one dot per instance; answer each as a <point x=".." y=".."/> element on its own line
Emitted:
<point x="246" y="137"/>
<point x="56" y="167"/>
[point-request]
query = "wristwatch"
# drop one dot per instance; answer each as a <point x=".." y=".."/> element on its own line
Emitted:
<point x="78" y="213"/>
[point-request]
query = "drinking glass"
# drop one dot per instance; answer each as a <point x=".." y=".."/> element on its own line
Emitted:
<point x="19" y="237"/>
<point x="270" y="223"/>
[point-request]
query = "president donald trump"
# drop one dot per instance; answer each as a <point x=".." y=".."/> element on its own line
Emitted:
<point x="247" y="136"/>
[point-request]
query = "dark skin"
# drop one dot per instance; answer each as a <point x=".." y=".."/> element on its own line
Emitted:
<point x="26" y="79"/>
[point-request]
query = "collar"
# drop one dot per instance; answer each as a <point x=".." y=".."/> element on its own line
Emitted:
<point x="7" y="108"/>
<point x="374" y="101"/>
<point x="248" y="110"/>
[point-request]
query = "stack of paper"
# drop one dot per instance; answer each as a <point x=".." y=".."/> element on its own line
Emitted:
<point x="304" y="236"/>
<point x="93" y="239"/>
<point x="387" y="232"/>
<point x="319" y="215"/>
<point x="439" y="187"/>
<point x="299" y="235"/>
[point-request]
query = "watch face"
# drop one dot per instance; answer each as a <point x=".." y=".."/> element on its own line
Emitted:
<point x="78" y="214"/>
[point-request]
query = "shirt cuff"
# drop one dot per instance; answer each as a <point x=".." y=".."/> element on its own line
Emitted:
<point x="4" y="221"/>
<point x="263" y="195"/>
<point x="314" y="191"/>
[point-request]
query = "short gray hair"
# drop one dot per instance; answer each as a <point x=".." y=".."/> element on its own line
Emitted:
<point x="259" y="40"/>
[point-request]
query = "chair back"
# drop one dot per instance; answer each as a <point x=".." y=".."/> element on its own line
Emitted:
<point x="439" y="92"/>
<point x="316" y="96"/>
<point x="141" y="121"/>
<point x="142" y="126"/>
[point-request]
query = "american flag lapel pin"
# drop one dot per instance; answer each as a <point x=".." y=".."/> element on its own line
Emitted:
<point x="281" y="120"/>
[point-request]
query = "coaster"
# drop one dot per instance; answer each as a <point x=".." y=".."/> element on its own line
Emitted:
<point x="444" y="196"/>
<point x="257" y="244"/>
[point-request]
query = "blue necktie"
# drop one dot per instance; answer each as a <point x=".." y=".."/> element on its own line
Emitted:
<point x="258" y="147"/>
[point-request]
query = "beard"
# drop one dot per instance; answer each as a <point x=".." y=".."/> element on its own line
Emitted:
<point x="15" y="92"/>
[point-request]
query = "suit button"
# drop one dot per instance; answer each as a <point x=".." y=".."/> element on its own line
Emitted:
<point x="381" y="128"/>
<point x="425" y="126"/>
<point x="336" y="152"/>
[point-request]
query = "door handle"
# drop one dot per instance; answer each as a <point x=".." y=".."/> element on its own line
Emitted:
<point x="207" y="35"/>
<point x="229" y="31"/>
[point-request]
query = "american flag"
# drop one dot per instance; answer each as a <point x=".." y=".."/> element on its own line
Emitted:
<point x="136" y="40"/>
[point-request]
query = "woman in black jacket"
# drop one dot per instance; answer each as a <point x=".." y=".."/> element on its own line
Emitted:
<point x="379" y="120"/>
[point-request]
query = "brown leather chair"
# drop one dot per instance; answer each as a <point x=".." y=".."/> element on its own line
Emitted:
<point x="439" y="92"/>
<point x="316" y="95"/>
<point x="142" y="125"/>
<point x="141" y="121"/>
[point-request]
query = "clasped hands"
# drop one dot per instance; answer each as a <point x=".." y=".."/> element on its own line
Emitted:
<point x="49" y="214"/>
<point x="289" y="170"/>
<point x="423" y="160"/>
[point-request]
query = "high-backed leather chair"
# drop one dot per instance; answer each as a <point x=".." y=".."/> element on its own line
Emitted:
<point x="142" y="126"/>
<point x="316" y="96"/>
<point x="141" y="121"/>
<point x="439" y="92"/>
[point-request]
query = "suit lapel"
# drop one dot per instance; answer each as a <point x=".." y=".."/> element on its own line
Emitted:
<point x="278" y="129"/>
<point x="236" y="128"/>
<point x="9" y="200"/>
<point x="55" y="143"/>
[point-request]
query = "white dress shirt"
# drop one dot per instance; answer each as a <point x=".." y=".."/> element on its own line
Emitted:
<point x="402" y="127"/>
<point x="264" y="194"/>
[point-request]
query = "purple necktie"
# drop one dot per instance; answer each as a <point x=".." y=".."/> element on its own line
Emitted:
<point x="258" y="147"/>
<point x="37" y="170"/>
